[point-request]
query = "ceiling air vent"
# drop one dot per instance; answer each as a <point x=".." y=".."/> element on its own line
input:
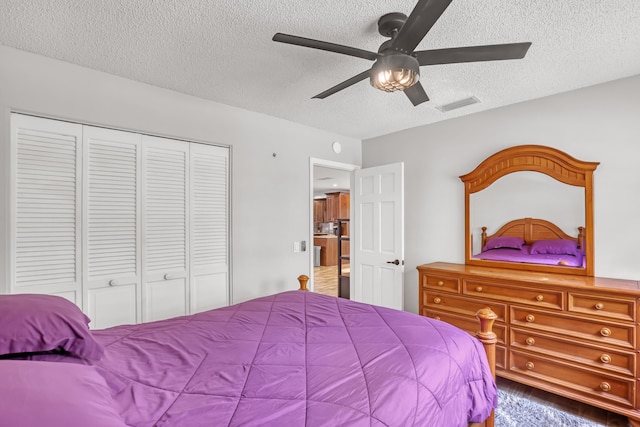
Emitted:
<point x="458" y="104"/>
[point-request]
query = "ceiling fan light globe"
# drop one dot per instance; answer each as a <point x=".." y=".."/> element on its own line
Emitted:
<point x="395" y="72"/>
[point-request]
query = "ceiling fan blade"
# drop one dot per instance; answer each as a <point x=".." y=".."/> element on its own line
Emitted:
<point x="494" y="52"/>
<point x="418" y="24"/>
<point x="330" y="47"/>
<point x="345" y="84"/>
<point x="416" y="94"/>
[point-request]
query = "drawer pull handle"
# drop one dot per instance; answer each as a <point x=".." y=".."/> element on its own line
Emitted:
<point x="437" y="300"/>
<point x="605" y="332"/>
<point x="530" y="318"/>
<point x="605" y="358"/>
<point x="540" y="298"/>
<point x="605" y="386"/>
<point x="436" y="317"/>
<point x="113" y="282"/>
<point x="478" y="288"/>
<point x="530" y="341"/>
<point x="440" y="283"/>
<point x="599" y="306"/>
<point x="530" y="366"/>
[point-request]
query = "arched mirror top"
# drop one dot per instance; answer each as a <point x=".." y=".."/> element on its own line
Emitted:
<point x="537" y="158"/>
<point x="554" y="163"/>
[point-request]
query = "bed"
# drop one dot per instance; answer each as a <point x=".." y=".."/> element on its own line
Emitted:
<point x="533" y="241"/>
<point x="294" y="358"/>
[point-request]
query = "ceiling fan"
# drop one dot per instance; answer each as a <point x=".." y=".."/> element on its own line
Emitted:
<point x="397" y="64"/>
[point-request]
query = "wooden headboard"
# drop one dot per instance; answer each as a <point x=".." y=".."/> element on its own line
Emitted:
<point x="532" y="229"/>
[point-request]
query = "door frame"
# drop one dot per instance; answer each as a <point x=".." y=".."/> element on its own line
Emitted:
<point x="330" y="165"/>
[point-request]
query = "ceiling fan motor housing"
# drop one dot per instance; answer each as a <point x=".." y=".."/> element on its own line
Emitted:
<point x="394" y="71"/>
<point x="390" y="24"/>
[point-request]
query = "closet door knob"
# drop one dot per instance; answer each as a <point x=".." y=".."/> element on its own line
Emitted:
<point x="168" y="277"/>
<point x="605" y="358"/>
<point x="437" y="300"/>
<point x="530" y="318"/>
<point x="540" y="298"/>
<point x="605" y="386"/>
<point x="113" y="282"/>
<point x="599" y="306"/>
<point x="530" y="341"/>
<point x="605" y="332"/>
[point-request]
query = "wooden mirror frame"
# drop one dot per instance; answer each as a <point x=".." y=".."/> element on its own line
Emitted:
<point x="537" y="158"/>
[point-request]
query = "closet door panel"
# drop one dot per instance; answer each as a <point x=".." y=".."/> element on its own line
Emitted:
<point x="165" y="298"/>
<point x="110" y="306"/>
<point x="209" y="172"/>
<point x="45" y="207"/>
<point x="112" y="218"/>
<point x="165" y="213"/>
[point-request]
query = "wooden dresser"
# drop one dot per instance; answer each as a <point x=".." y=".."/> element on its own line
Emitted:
<point x="575" y="336"/>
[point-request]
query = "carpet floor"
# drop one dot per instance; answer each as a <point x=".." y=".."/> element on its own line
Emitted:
<point x="520" y="405"/>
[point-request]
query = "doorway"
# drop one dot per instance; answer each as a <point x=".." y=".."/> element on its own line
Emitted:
<point x="330" y="220"/>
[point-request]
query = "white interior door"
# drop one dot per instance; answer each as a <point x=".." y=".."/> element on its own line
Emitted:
<point x="45" y="215"/>
<point x="111" y="238"/>
<point x="165" y="239"/>
<point x="209" y="172"/>
<point x="377" y="270"/>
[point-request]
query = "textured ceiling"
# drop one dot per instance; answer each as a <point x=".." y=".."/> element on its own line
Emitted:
<point x="222" y="50"/>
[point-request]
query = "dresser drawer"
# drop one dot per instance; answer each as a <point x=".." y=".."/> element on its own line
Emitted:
<point x="606" y="307"/>
<point x="441" y="283"/>
<point x="594" y="330"/>
<point x="601" y="386"/>
<point x="465" y="323"/>
<point x="607" y="358"/>
<point x="461" y="305"/>
<point x="522" y="295"/>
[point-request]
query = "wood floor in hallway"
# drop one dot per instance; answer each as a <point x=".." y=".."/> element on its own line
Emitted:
<point x="325" y="280"/>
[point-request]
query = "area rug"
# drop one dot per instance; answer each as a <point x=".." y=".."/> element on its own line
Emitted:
<point x="515" y="411"/>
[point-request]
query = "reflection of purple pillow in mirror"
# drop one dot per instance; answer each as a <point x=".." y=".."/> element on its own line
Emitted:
<point x="504" y="242"/>
<point x="556" y="247"/>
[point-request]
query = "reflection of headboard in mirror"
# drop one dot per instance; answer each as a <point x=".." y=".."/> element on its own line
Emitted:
<point x="532" y="229"/>
<point x="535" y="158"/>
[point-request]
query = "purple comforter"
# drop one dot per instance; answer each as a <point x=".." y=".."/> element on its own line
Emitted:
<point x="297" y="359"/>
<point x="524" y="255"/>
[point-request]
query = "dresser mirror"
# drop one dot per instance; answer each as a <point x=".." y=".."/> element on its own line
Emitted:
<point x="536" y="193"/>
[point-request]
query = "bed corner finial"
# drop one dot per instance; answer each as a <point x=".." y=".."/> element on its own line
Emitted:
<point x="486" y="336"/>
<point x="303" y="279"/>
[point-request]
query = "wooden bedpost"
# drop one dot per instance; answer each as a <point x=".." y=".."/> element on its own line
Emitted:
<point x="303" y="279"/>
<point x="484" y="237"/>
<point x="488" y="338"/>
<point x="581" y="238"/>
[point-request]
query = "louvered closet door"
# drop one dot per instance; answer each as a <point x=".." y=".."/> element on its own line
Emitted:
<point x="209" y="172"/>
<point x="165" y="248"/>
<point x="111" y="240"/>
<point x="45" y="206"/>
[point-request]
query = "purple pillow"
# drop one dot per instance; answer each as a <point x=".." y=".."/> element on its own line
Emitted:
<point x="55" y="394"/>
<point x="556" y="247"/>
<point x="37" y="323"/>
<point x="504" y="242"/>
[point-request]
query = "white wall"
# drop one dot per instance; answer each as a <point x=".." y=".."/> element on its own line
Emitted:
<point x="600" y="123"/>
<point x="270" y="195"/>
